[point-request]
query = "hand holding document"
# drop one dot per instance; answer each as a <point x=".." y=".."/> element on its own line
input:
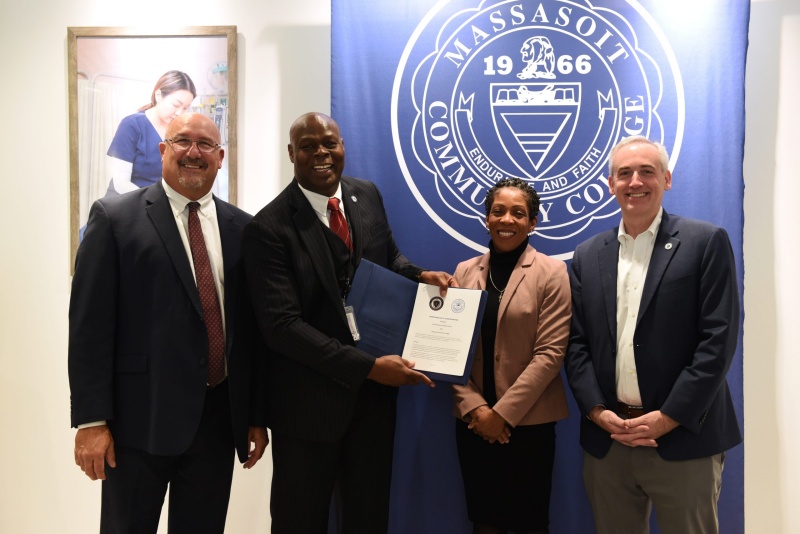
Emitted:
<point x="397" y="316"/>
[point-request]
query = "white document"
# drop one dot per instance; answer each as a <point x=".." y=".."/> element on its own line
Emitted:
<point x="442" y="329"/>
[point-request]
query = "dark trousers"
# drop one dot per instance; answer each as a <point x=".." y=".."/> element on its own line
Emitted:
<point x="359" y="466"/>
<point x="199" y="480"/>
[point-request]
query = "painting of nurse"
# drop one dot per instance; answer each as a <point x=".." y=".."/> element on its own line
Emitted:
<point x="135" y="157"/>
<point x="129" y="88"/>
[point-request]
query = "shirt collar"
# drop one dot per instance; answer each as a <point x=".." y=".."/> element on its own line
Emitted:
<point x="652" y="230"/>
<point x="320" y="202"/>
<point x="178" y="202"/>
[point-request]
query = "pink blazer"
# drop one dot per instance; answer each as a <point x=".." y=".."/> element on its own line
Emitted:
<point x="532" y="332"/>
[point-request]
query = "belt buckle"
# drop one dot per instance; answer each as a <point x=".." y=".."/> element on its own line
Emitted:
<point x="629" y="411"/>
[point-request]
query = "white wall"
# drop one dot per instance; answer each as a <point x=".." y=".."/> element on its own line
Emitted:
<point x="284" y="65"/>
<point x="771" y="258"/>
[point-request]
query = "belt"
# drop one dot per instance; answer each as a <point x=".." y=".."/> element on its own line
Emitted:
<point x="628" y="411"/>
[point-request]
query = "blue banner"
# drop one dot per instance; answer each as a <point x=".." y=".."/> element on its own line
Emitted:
<point x="438" y="100"/>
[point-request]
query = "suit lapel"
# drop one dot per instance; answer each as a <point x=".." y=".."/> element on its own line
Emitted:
<point x="311" y="233"/>
<point x="230" y="233"/>
<point x="160" y="213"/>
<point x="608" y="257"/>
<point x="664" y="249"/>
<point x="483" y="277"/>
<point x="354" y="219"/>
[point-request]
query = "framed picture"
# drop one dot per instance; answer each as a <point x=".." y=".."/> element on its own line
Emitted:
<point x="125" y="86"/>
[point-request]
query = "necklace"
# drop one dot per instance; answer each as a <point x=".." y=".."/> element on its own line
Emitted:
<point x="501" y="291"/>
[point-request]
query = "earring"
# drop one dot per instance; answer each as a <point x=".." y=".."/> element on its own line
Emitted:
<point x="487" y="229"/>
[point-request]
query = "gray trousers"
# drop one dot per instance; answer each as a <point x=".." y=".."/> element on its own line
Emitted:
<point x="624" y="486"/>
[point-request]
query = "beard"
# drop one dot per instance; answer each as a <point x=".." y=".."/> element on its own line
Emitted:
<point x="192" y="180"/>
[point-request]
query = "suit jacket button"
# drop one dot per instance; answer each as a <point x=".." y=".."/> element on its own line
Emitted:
<point x="202" y="361"/>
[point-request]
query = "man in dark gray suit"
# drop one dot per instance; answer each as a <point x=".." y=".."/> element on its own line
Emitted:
<point x="151" y="410"/>
<point x="655" y="326"/>
<point x="332" y="406"/>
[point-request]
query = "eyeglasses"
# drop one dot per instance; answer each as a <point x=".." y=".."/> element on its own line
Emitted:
<point x="183" y="144"/>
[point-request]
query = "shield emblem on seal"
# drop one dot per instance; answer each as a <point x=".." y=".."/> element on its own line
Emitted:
<point x="534" y="122"/>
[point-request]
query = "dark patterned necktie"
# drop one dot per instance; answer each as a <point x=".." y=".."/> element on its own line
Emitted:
<point x="338" y="224"/>
<point x="212" y="314"/>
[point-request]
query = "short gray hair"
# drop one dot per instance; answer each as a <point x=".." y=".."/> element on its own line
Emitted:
<point x="662" y="150"/>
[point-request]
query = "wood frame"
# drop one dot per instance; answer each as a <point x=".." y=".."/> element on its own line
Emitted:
<point x="226" y="113"/>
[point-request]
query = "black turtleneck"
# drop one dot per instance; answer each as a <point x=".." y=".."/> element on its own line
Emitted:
<point x="500" y="266"/>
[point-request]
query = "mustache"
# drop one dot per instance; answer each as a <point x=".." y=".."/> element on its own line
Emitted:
<point x="193" y="161"/>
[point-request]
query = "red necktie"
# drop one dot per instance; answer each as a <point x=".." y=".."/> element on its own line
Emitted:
<point x="338" y="224"/>
<point x="208" y="298"/>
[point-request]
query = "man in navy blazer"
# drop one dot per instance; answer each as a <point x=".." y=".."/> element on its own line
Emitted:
<point x="655" y="326"/>
<point x="332" y="406"/>
<point x="139" y="349"/>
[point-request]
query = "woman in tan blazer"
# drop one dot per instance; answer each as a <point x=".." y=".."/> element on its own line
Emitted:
<point x="507" y="411"/>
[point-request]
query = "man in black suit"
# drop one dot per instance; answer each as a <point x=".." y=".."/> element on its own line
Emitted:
<point x="655" y="326"/>
<point x="150" y="414"/>
<point x="332" y="406"/>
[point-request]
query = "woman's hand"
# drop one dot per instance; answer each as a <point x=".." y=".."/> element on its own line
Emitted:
<point x="489" y="425"/>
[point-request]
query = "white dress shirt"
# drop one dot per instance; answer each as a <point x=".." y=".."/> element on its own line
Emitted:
<point x="207" y="213"/>
<point x="634" y="260"/>
<point x="320" y="204"/>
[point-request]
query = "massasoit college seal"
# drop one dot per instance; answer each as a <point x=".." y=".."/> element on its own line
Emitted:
<point x="537" y="90"/>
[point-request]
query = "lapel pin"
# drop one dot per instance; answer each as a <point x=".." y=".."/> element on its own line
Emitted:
<point x="353" y="198"/>
<point x="668" y="246"/>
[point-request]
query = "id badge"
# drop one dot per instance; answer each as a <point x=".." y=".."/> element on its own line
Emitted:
<point x="351" y="322"/>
